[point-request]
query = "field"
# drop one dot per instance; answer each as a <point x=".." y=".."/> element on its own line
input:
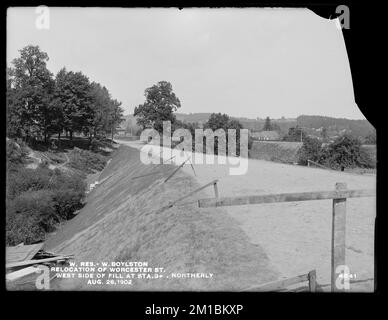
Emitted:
<point x="125" y="219"/>
<point x="296" y="236"/>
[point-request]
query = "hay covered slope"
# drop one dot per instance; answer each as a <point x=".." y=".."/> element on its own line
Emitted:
<point x="278" y="151"/>
<point x="124" y="220"/>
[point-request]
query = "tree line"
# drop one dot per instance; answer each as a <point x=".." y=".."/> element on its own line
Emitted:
<point x="160" y="104"/>
<point x="40" y="104"/>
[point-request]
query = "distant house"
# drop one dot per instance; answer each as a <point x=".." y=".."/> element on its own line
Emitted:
<point x="266" y="135"/>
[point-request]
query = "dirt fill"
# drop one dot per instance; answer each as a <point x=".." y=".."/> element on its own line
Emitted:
<point x="125" y="219"/>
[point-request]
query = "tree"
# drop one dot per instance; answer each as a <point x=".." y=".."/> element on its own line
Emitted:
<point x="160" y="105"/>
<point x="295" y="134"/>
<point x="30" y="86"/>
<point x="39" y="105"/>
<point x="73" y="94"/>
<point x="345" y="152"/>
<point x="267" y="124"/>
<point x="370" y="138"/>
<point x="222" y="121"/>
<point x="324" y="134"/>
<point x="115" y="115"/>
<point x="101" y="106"/>
<point x="217" y="121"/>
<point x="310" y="150"/>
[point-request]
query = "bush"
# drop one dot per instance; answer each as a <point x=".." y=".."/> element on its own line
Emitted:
<point x="56" y="157"/>
<point x="29" y="217"/>
<point x="295" y="134"/>
<point x="61" y="181"/>
<point x="310" y="150"/>
<point x="86" y="161"/>
<point x="23" y="228"/>
<point x="38" y="200"/>
<point x="346" y="152"/>
<point x="370" y="138"/>
<point x="27" y="179"/>
<point x="16" y="154"/>
<point x="66" y="202"/>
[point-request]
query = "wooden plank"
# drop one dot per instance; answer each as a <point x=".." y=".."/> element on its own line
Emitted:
<point x="338" y="236"/>
<point x="146" y="175"/>
<point x="38" y="261"/>
<point x="284" y="197"/>
<point x="192" y="192"/>
<point x="279" y="284"/>
<point x="12" y="276"/>
<point x="20" y="253"/>
<point x="180" y="166"/>
<point x="350" y="280"/>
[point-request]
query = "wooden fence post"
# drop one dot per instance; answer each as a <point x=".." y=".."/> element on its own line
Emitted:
<point x="312" y="275"/>
<point x="338" y="236"/>
<point x="216" y="190"/>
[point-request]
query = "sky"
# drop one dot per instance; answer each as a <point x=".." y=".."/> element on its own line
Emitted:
<point x="250" y="62"/>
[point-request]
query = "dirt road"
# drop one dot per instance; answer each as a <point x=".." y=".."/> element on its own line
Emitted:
<point x="296" y="236"/>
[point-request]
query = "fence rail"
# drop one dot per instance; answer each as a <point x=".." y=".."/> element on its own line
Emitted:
<point x="339" y="196"/>
<point x="309" y="162"/>
<point x="284" y="283"/>
<point x="284" y="197"/>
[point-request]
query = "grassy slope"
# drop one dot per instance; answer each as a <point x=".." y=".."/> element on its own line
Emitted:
<point x="123" y="221"/>
<point x="278" y="151"/>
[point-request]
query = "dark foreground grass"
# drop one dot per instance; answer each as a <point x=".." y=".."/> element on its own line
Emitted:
<point x="126" y="220"/>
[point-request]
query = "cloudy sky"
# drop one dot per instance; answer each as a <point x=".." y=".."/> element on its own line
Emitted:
<point x="243" y="62"/>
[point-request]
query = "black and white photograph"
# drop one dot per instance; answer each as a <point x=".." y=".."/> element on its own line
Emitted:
<point x="186" y="150"/>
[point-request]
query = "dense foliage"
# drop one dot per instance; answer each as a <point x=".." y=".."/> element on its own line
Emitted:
<point x="86" y="161"/>
<point x="160" y="104"/>
<point x="39" y="104"/>
<point x="38" y="199"/>
<point x="310" y="150"/>
<point x="344" y="152"/>
<point x="295" y="134"/>
<point x="223" y="121"/>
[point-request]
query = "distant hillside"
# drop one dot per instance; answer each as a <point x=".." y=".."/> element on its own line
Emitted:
<point x="193" y="117"/>
<point x="311" y="124"/>
<point x="358" y="128"/>
<point x="251" y="124"/>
